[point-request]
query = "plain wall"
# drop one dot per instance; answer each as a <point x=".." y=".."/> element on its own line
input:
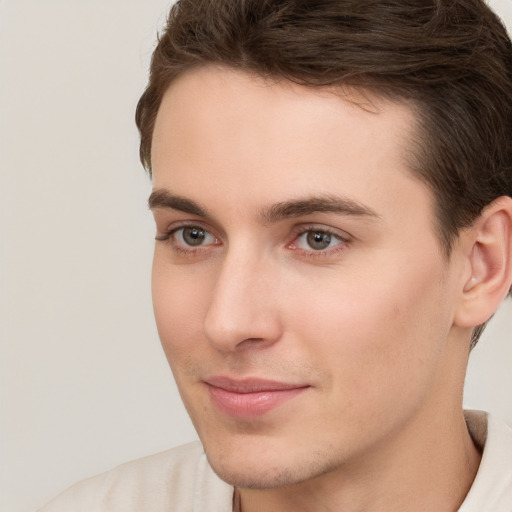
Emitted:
<point x="84" y="384"/>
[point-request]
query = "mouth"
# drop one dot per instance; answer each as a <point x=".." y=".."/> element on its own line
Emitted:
<point x="250" y="398"/>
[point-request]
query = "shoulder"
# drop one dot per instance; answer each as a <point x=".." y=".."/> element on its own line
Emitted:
<point x="179" y="479"/>
<point x="492" y="489"/>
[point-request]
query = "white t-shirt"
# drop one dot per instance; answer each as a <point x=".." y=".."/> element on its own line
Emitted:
<point x="181" y="480"/>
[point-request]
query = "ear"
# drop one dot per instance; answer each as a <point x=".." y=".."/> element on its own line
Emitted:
<point x="488" y="253"/>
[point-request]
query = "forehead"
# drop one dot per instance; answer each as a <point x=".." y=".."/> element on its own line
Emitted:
<point x="257" y="140"/>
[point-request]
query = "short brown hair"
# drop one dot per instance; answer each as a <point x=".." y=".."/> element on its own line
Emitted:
<point x="452" y="59"/>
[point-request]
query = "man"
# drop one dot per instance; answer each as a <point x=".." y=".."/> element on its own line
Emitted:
<point x="333" y="205"/>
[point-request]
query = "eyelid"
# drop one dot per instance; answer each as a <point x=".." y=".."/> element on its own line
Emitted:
<point x="305" y="228"/>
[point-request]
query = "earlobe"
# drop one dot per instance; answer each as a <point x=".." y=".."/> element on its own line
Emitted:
<point x="490" y="263"/>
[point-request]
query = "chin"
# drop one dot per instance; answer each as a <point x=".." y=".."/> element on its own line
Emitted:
<point x="265" y="468"/>
<point x="243" y="478"/>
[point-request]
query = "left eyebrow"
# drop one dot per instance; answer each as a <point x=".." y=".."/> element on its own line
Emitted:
<point x="320" y="204"/>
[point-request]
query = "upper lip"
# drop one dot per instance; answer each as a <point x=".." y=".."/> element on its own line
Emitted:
<point x="250" y="385"/>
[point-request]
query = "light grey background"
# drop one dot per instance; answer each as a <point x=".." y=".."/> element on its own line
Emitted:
<point x="83" y="381"/>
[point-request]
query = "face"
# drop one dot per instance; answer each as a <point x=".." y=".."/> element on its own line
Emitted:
<point x="300" y="292"/>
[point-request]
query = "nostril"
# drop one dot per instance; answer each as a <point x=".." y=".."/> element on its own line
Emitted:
<point x="250" y="342"/>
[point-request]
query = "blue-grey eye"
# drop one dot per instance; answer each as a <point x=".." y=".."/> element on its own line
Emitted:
<point x="193" y="236"/>
<point x="318" y="240"/>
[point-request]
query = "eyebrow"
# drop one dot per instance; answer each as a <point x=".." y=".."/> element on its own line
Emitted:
<point x="279" y="211"/>
<point x="164" y="199"/>
<point x="317" y="204"/>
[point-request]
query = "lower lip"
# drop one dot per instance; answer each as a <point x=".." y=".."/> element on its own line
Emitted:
<point x="251" y="405"/>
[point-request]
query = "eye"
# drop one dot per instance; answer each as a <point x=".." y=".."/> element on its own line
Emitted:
<point x="193" y="236"/>
<point x="188" y="238"/>
<point x="317" y="240"/>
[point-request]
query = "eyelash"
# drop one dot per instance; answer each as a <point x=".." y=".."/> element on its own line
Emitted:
<point x="302" y="230"/>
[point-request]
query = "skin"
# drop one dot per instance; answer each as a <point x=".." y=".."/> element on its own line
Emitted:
<point x="367" y="324"/>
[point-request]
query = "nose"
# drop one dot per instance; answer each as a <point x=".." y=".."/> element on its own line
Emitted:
<point x="244" y="308"/>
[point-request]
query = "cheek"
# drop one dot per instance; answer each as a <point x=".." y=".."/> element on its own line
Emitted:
<point x="179" y="306"/>
<point x="375" y="330"/>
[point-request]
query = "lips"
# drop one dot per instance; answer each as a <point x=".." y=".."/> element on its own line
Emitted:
<point x="250" y="398"/>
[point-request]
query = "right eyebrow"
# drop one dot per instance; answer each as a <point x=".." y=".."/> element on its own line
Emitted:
<point x="163" y="199"/>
